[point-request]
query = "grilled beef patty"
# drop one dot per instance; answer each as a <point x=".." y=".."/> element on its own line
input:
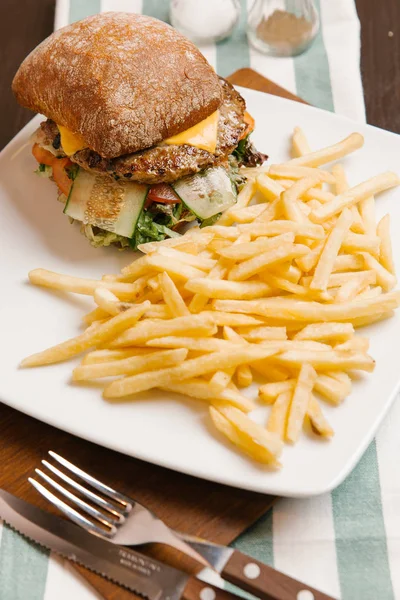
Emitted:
<point x="162" y="163"/>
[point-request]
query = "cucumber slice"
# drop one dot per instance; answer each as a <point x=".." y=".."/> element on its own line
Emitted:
<point x="207" y="193"/>
<point x="111" y="205"/>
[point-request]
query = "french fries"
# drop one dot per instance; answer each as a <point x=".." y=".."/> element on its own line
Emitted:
<point x="268" y="299"/>
<point x="299" y="402"/>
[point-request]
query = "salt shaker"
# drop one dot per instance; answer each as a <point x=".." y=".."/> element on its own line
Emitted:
<point x="205" y="21"/>
<point x="279" y="31"/>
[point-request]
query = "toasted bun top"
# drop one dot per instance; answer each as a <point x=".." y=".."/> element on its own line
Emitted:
<point x="121" y="80"/>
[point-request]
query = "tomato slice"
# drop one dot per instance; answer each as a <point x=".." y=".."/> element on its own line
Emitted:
<point x="162" y="192"/>
<point x="60" y="175"/>
<point x="43" y="156"/>
<point x="248" y="119"/>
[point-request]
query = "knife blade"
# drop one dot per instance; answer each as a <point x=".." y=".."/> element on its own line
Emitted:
<point x="142" y="575"/>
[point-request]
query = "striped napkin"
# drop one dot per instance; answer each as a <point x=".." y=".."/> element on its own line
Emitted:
<point x="346" y="543"/>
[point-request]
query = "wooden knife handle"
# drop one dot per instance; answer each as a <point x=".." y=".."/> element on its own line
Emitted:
<point x="199" y="590"/>
<point x="265" y="582"/>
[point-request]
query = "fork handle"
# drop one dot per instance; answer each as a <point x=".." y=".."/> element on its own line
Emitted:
<point x="265" y="582"/>
<point x="199" y="590"/>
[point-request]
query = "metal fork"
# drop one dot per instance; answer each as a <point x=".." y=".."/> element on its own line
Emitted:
<point x="125" y="522"/>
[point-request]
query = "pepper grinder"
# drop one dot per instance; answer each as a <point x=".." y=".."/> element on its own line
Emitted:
<point x="205" y="21"/>
<point x="281" y="31"/>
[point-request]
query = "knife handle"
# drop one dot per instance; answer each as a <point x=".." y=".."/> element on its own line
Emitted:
<point x="199" y="590"/>
<point x="265" y="582"/>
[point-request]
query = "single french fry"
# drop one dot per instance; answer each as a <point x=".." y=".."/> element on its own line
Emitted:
<point x="208" y="363"/>
<point x="254" y="265"/>
<point x="246" y="194"/>
<point x="148" y="330"/>
<point x="296" y="171"/>
<point x="383" y="277"/>
<point x="299" y="404"/>
<point x="105" y="356"/>
<point x="386" y="256"/>
<point x="269" y="392"/>
<point x="172" y="297"/>
<point x="131" y="365"/>
<point x="327" y="332"/>
<point x="300" y="145"/>
<point x="330" y="252"/>
<point x="101" y="334"/>
<point x="371" y="187"/>
<point x="330" y="153"/>
<point x="270" y="188"/>
<point x="277" y="420"/>
<point x="244" y="376"/>
<point x="80" y="285"/>
<point x="322" y="361"/>
<point x="318" y="422"/>
<point x="368" y="215"/>
<point x="298" y="310"/>
<point x="220" y="380"/>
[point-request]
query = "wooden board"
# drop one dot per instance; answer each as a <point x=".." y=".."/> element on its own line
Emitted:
<point x="198" y="507"/>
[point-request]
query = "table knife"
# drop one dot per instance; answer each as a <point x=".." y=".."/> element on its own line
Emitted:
<point x="251" y="575"/>
<point x="142" y="575"/>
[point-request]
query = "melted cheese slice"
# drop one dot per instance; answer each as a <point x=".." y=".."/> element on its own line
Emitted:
<point x="71" y="142"/>
<point x="203" y="135"/>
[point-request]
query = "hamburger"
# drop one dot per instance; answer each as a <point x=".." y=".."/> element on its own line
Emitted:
<point x="141" y="135"/>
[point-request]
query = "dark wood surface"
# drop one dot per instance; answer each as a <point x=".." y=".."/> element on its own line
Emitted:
<point x="24" y="23"/>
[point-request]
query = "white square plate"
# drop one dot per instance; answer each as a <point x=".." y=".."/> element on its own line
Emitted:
<point x="157" y="428"/>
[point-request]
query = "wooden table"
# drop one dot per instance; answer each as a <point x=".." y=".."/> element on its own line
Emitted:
<point x="24" y="23"/>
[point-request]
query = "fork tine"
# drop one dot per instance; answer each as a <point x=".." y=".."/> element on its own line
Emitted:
<point x="90" y="510"/>
<point x="118" y="515"/>
<point x="70" y="512"/>
<point x="98" y="485"/>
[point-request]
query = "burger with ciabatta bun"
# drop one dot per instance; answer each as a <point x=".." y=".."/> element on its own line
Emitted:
<point x="141" y="134"/>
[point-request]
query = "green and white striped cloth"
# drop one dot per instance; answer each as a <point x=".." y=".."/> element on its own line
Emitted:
<point x="346" y="543"/>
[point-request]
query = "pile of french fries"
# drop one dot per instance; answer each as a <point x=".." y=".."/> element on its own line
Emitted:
<point x="271" y="295"/>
